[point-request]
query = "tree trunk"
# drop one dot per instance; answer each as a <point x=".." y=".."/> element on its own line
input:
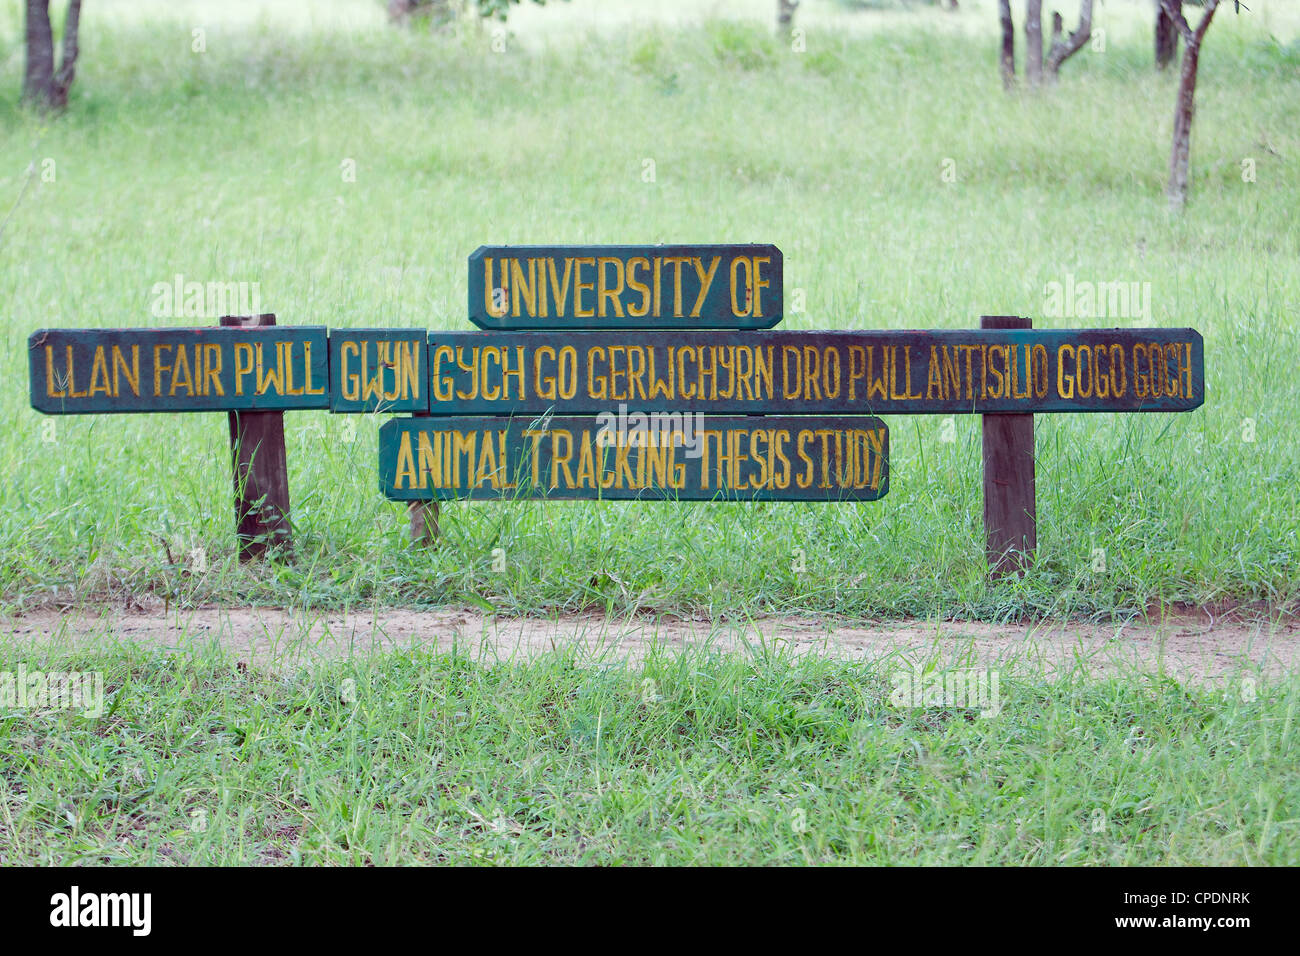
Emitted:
<point x="1185" y="109"/>
<point x="1008" y="44"/>
<point x="38" y="79"/>
<point x="68" y="62"/>
<point x="1166" y="34"/>
<point x="785" y="16"/>
<point x="43" y="88"/>
<point x="1034" y="42"/>
<point x="1062" y="48"/>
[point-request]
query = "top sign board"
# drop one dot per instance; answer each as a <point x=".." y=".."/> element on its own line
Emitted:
<point x="625" y="287"/>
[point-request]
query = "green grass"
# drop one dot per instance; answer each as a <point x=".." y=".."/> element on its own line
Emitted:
<point x="685" y="759"/>
<point x="225" y="166"/>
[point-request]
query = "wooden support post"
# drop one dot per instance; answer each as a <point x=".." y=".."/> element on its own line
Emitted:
<point x="1010" y="512"/>
<point x="423" y="514"/>
<point x="261" y="472"/>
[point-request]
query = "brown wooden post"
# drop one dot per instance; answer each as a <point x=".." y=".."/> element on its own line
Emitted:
<point x="423" y="514"/>
<point x="261" y="472"/>
<point x="1010" y="512"/>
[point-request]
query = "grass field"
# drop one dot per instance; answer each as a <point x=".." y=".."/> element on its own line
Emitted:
<point x="225" y="166"/>
<point x="905" y="189"/>
<point x="685" y="759"/>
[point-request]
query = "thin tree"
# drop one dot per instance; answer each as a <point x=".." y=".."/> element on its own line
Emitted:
<point x="44" y="87"/>
<point x="1034" y="42"/>
<point x="1166" y="34"/>
<point x="785" y="17"/>
<point x="1185" y="106"/>
<point x="1061" y="48"/>
<point x="1008" y="61"/>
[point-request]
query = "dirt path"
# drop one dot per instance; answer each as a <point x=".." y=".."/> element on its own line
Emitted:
<point x="1189" y="646"/>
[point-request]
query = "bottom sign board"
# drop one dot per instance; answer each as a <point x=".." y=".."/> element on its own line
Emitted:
<point x="673" y="456"/>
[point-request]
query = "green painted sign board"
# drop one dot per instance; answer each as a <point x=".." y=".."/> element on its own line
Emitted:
<point x="823" y="372"/>
<point x="530" y="373"/>
<point x="78" y="371"/>
<point x="378" y="370"/>
<point x="626" y="287"/>
<point x="636" y="457"/>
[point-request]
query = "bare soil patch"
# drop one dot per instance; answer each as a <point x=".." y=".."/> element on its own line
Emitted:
<point x="1190" y="645"/>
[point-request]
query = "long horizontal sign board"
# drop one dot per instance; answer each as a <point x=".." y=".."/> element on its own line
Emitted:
<point x="1093" y="370"/>
<point x="626" y="287"/>
<point x="76" y="371"/>
<point x="675" y="457"/>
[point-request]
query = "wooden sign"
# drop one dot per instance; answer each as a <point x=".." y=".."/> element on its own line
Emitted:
<point x="1013" y="370"/>
<point x="378" y="370"/>
<point x="682" y="457"/>
<point x="625" y="287"/>
<point x="77" y="371"/>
